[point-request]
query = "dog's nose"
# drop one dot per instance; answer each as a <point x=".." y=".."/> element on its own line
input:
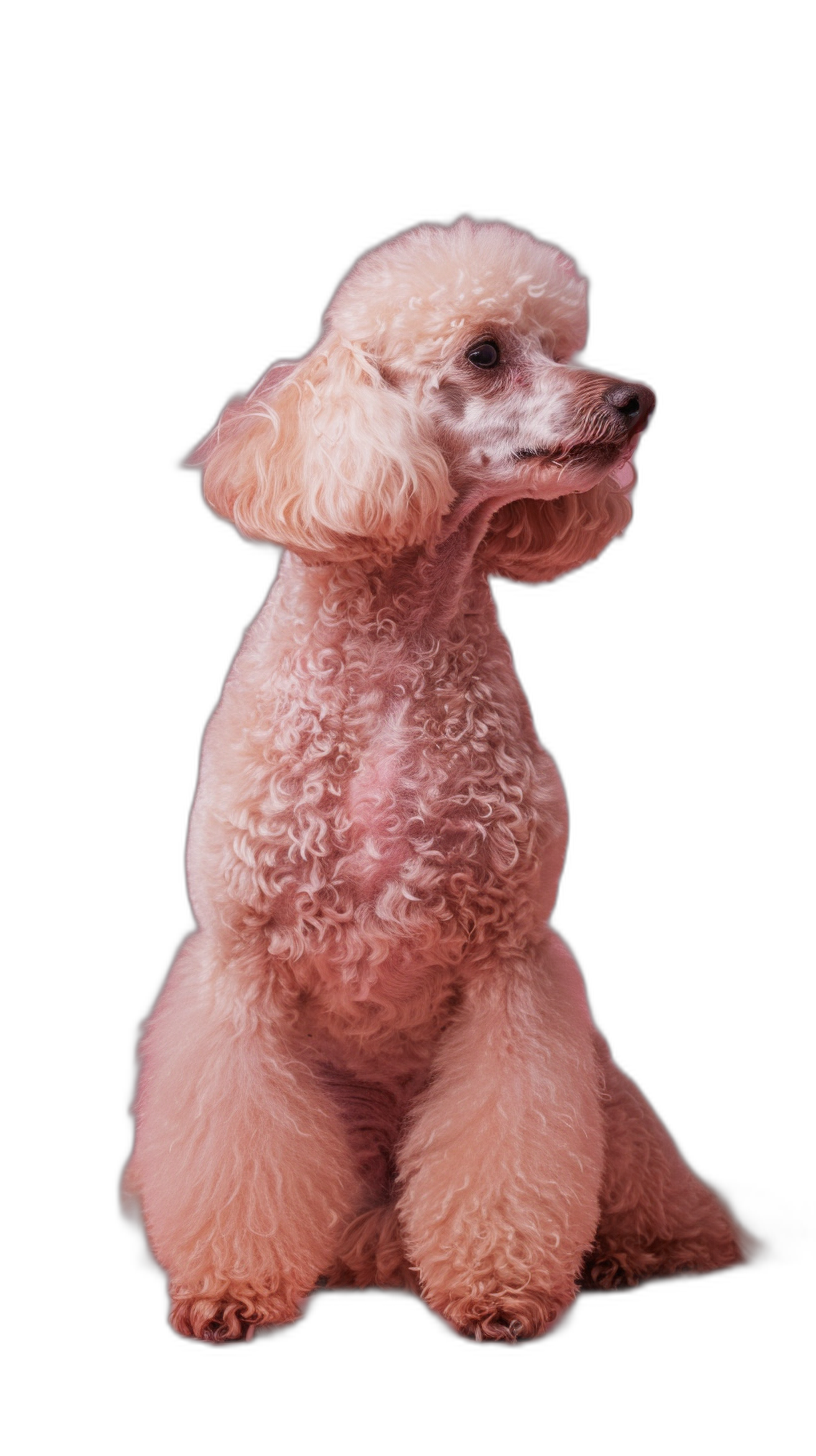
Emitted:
<point x="631" y="404"/>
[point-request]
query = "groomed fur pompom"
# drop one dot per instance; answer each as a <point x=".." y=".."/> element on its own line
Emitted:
<point x="412" y="300"/>
<point x="327" y="459"/>
<point x="532" y="540"/>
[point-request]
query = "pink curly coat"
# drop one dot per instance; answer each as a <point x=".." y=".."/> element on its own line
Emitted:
<point x="374" y="1062"/>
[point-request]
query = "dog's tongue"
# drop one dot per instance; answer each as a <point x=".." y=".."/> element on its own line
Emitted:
<point x="623" y="473"/>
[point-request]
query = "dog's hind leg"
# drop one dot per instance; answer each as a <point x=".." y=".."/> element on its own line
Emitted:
<point x="241" y="1162"/>
<point x="657" y="1217"/>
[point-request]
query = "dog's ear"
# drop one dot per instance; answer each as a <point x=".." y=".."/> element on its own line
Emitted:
<point x="538" y="540"/>
<point x="326" y="458"/>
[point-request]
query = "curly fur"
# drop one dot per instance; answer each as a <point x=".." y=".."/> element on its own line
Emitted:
<point x="374" y="1062"/>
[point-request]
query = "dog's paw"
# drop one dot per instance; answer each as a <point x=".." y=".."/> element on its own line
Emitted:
<point x="510" y="1316"/>
<point x="231" y="1316"/>
<point x="622" y="1267"/>
<point x="499" y="1325"/>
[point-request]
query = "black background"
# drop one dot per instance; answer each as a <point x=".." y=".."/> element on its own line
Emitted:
<point x="657" y="680"/>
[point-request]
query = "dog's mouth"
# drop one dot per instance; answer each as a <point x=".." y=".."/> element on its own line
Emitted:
<point x="604" y="458"/>
<point x="584" y="453"/>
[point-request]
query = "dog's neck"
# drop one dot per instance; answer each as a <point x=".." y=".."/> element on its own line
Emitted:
<point x="427" y="593"/>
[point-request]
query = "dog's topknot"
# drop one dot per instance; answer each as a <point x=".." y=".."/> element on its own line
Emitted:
<point x="412" y="299"/>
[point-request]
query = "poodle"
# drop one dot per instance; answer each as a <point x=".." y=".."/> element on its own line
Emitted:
<point x="374" y="1063"/>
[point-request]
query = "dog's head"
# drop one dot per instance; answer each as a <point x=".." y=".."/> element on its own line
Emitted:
<point x="442" y="381"/>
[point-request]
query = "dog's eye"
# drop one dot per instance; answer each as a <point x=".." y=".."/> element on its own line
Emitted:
<point x="485" y="355"/>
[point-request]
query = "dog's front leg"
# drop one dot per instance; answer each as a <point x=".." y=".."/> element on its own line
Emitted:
<point x="503" y="1159"/>
<point x="240" y="1162"/>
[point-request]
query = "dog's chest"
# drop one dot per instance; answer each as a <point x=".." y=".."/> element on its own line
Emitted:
<point x="407" y="806"/>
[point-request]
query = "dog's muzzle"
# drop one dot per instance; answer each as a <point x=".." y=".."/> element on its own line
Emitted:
<point x="630" y="406"/>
